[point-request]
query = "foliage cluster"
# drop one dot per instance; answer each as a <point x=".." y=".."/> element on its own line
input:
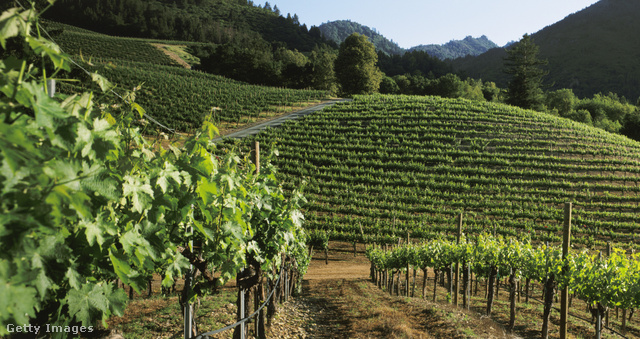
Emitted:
<point x="447" y="86"/>
<point x="608" y="112"/>
<point x="355" y="66"/>
<point x="602" y="282"/>
<point x="258" y="64"/>
<point x="213" y="21"/>
<point x="85" y="199"/>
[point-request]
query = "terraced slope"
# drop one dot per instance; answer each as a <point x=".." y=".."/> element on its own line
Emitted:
<point x="95" y="46"/>
<point x="177" y="97"/>
<point x="384" y="165"/>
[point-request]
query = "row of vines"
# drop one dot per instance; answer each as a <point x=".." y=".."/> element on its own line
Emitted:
<point x="380" y="166"/>
<point x="602" y="282"/>
<point x="86" y="200"/>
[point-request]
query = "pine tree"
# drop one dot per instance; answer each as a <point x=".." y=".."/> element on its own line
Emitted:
<point x="523" y="63"/>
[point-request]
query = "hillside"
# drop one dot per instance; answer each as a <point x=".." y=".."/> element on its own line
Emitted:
<point x="338" y="31"/>
<point x="177" y="97"/>
<point x="591" y="51"/>
<point x="213" y="21"/>
<point x="458" y="48"/>
<point x="382" y="166"/>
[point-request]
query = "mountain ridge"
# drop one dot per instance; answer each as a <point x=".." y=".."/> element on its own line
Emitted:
<point x="591" y="51"/>
<point x="458" y="48"/>
<point x="338" y="30"/>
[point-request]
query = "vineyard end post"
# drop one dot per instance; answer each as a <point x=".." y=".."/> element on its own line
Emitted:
<point x="51" y="87"/>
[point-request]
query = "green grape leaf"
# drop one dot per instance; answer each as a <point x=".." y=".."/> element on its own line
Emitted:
<point x="18" y="303"/>
<point x="175" y="269"/>
<point x="141" y="194"/>
<point x="138" y="108"/>
<point x="13" y="23"/>
<point x="87" y="303"/>
<point x="169" y="172"/>
<point x="48" y="48"/>
<point x="207" y="190"/>
<point x="105" y="85"/>
<point x="74" y="278"/>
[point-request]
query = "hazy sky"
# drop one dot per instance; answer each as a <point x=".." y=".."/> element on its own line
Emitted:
<point x="414" y="22"/>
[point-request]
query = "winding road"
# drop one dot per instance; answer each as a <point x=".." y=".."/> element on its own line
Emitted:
<point x="253" y="130"/>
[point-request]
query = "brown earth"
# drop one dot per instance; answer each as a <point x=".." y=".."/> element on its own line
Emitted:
<point x="172" y="55"/>
<point x="339" y="301"/>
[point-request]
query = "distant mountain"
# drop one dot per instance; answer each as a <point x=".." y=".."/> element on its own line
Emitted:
<point x="458" y="48"/>
<point x="339" y="30"/>
<point x="591" y="51"/>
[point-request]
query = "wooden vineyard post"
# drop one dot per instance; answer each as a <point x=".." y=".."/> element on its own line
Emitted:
<point x="459" y="235"/>
<point x="326" y="255"/>
<point x="564" y="297"/>
<point x="408" y="267"/>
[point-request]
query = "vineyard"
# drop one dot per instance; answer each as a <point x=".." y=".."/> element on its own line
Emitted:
<point x="92" y="46"/>
<point x="177" y="97"/>
<point x="602" y="283"/>
<point x="89" y="205"/>
<point x="382" y="166"/>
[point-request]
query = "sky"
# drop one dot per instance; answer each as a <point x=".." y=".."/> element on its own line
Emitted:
<point x="413" y="22"/>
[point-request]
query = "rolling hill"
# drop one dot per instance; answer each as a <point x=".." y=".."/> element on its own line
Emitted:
<point x="591" y="51"/>
<point x="382" y="166"/>
<point x="177" y="97"/>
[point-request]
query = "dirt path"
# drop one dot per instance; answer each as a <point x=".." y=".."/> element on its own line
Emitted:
<point x="339" y="301"/>
<point x="172" y="55"/>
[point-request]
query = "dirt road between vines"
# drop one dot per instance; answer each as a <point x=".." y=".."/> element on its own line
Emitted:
<point x="339" y="301"/>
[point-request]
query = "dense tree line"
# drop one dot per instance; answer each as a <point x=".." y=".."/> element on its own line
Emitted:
<point x="216" y="21"/>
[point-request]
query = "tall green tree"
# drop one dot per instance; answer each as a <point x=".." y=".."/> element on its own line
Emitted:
<point x="523" y="63"/>
<point x="356" y="68"/>
<point x="321" y="69"/>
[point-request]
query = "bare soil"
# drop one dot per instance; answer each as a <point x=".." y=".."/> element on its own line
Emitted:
<point x="349" y="305"/>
